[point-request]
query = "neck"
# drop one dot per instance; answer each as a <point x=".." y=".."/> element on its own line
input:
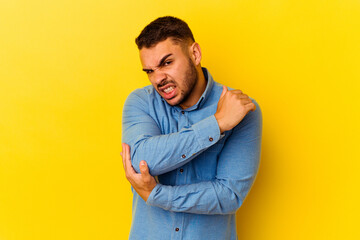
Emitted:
<point x="197" y="91"/>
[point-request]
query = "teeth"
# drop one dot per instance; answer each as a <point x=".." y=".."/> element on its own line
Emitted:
<point x="169" y="89"/>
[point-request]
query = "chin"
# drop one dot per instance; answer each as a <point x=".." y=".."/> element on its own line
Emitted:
<point x="174" y="101"/>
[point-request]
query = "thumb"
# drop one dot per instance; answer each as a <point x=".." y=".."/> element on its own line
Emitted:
<point x="144" y="168"/>
<point x="224" y="91"/>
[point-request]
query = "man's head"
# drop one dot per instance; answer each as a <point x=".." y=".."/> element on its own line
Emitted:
<point x="171" y="58"/>
<point x="162" y="28"/>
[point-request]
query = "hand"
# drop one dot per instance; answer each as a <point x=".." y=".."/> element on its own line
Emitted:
<point x="232" y="107"/>
<point x="142" y="182"/>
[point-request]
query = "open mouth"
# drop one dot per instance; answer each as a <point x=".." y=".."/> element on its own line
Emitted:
<point x="168" y="91"/>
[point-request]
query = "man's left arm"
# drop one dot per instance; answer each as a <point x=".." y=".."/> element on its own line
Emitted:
<point x="237" y="167"/>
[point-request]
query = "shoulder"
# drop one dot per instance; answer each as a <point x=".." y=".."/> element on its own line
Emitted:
<point x="253" y="120"/>
<point x="141" y="96"/>
<point x="141" y="93"/>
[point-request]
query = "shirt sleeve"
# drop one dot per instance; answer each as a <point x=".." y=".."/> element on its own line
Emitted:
<point x="163" y="152"/>
<point x="237" y="167"/>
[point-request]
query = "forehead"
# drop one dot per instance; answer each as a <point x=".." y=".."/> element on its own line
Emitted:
<point x="151" y="56"/>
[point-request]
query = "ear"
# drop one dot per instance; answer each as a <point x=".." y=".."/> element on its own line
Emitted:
<point x="195" y="53"/>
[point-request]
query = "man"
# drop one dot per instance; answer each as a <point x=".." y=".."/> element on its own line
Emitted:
<point x="191" y="147"/>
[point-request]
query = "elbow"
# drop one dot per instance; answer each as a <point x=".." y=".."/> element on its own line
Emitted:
<point x="230" y="207"/>
<point x="142" y="150"/>
<point x="231" y="194"/>
<point x="137" y="155"/>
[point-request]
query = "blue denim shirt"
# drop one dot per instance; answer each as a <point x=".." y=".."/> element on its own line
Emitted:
<point x="203" y="176"/>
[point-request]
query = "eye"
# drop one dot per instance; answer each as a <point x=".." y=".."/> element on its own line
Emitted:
<point x="167" y="63"/>
<point x="148" y="71"/>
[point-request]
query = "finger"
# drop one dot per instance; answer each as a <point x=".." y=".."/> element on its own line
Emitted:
<point x="224" y="91"/>
<point x="242" y="95"/>
<point x="254" y="108"/>
<point x="144" y="169"/>
<point x="237" y="91"/>
<point x="128" y="165"/>
<point x="123" y="155"/>
<point x="245" y="101"/>
<point x="122" y="159"/>
<point x="250" y="106"/>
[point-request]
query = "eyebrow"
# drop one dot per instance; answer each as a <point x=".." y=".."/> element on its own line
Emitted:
<point x="160" y="63"/>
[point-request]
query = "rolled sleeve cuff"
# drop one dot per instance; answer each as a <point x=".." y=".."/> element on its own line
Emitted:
<point x="207" y="131"/>
<point x="160" y="196"/>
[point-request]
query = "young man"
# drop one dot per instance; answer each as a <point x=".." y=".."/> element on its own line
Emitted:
<point x="191" y="147"/>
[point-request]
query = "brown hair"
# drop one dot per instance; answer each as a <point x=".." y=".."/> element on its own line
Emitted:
<point x="162" y="28"/>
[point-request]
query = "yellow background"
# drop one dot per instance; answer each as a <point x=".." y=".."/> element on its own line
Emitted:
<point x="66" y="68"/>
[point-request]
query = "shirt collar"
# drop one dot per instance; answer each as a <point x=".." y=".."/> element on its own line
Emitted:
<point x="207" y="92"/>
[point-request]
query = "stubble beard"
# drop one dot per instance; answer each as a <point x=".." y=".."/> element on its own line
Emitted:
<point x="191" y="78"/>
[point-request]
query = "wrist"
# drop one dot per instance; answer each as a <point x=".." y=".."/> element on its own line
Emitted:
<point x="148" y="192"/>
<point x="220" y="123"/>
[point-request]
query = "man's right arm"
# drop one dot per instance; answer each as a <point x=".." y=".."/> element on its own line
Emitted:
<point x="163" y="152"/>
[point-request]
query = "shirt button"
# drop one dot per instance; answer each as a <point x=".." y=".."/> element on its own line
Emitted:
<point x="181" y="170"/>
<point x="182" y="112"/>
<point x="183" y="156"/>
<point x="177" y="229"/>
<point x="211" y="139"/>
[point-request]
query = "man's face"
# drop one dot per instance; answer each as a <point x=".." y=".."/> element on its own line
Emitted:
<point x="170" y="70"/>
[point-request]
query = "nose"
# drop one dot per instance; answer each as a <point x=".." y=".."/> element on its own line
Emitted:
<point x="158" y="76"/>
